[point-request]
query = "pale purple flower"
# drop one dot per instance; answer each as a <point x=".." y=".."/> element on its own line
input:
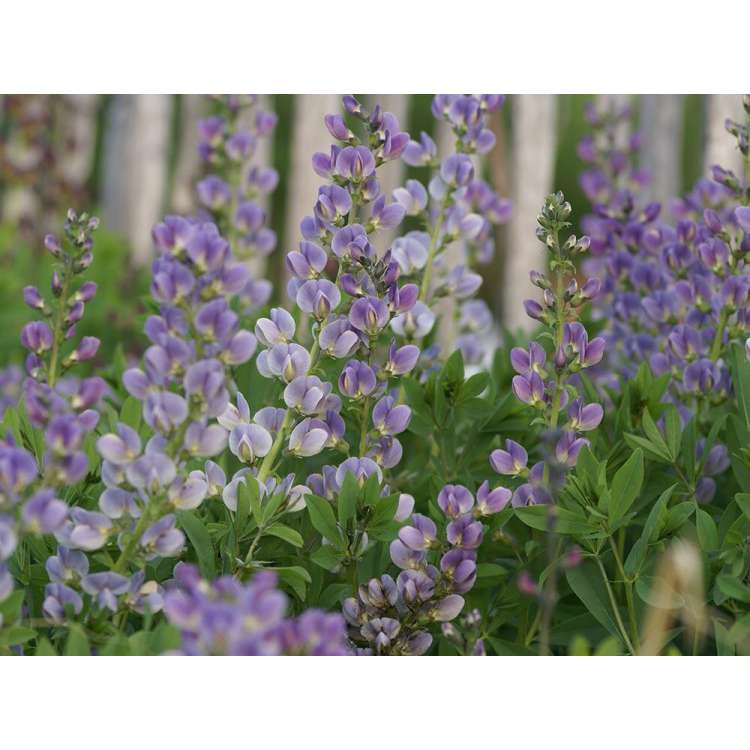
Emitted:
<point x="308" y="438"/>
<point x="357" y="380"/>
<point x="455" y="500"/>
<point x="249" y="441"/>
<point x="389" y="417"/>
<point x="511" y="461"/>
<point x="162" y="539"/>
<point x="105" y="587"/>
<point x="492" y="501"/>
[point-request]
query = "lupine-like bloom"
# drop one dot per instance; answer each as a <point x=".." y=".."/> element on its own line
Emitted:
<point x="350" y="313"/>
<point x="230" y="618"/>
<point x="62" y="407"/>
<point x="393" y="617"/>
<point x="460" y="208"/>
<point x="236" y="187"/>
<point x="546" y="385"/>
<point x="674" y="296"/>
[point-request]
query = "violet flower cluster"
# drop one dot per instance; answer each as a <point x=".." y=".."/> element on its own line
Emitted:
<point x="236" y="187"/>
<point x="349" y="311"/>
<point x="675" y="297"/>
<point x="226" y="617"/>
<point x="184" y="387"/>
<point x="457" y="206"/>
<point x="392" y="617"/>
<point x="547" y="383"/>
<point x="63" y="408"/>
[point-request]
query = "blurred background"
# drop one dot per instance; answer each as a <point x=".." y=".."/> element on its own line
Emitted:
<point x="131" y="159"/>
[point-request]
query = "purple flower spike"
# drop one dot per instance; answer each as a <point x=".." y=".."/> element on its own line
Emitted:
<point x="511" y="461"/>
<point x="455" y="500"/>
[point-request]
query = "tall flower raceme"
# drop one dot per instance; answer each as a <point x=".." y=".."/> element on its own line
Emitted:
<point x="227" y="617"/>
<point x="184" y="387"/>
<point x="438" y="564"/>
<point x="545" y="381"/>
<point x="236" y="185"/>
<point x="349" y="310"/>
<point x="62" y="407"/>
<point x="626" y="240"/>
<point x="675" y="297"/>
<point x="455" y="206"/>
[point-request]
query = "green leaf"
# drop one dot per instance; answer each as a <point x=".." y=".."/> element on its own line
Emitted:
<point x="490" y="570"/>
<point x="77" y="643"/>
<point x="44" y="648"/>
<point x="384" y="512"/>
<point x="474" y="386"/>
<point x="734" y="589"/>
<point x="654" y="435"/>
<point x="626" y="486"/>
<point x="326" y="556"/>
<point x="673" y="430"/>
<point x="242" y="514"/>
<point x="14" y="635"/>
<point x="563" y="521"/>
<point x="287" y="534"/>
<point x="200" y="539"/>
<point x="743" y="500"/>
<point x="252" y="493"/>
<point x="347" y="500"/>
<point x="652" y="451"/>
<point x="323" y="519"/>
<point x="297" y="578"/>
<point x="130" y="413"/>
<point x="741" y="380"/>
<point x="678" y="515"/>
<point x="271" y="506"/>
<point x="587" y="585"/>
<point x="708" y="534"/>
<point x="10" y="609"/>
<point x="453" y="370"/>
<point x="656" y="520"/>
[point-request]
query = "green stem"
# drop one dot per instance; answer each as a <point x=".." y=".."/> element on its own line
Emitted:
<point x="254" y="545"/>
<point x="132" y="544"/>
<point x="426" y="277"/>
<point x="363" y="426"/>
<point x="281" y="435"/>
<point x="628" y="584"/>
<point x="57" y="331"/>
<point x="615" y="608"/>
